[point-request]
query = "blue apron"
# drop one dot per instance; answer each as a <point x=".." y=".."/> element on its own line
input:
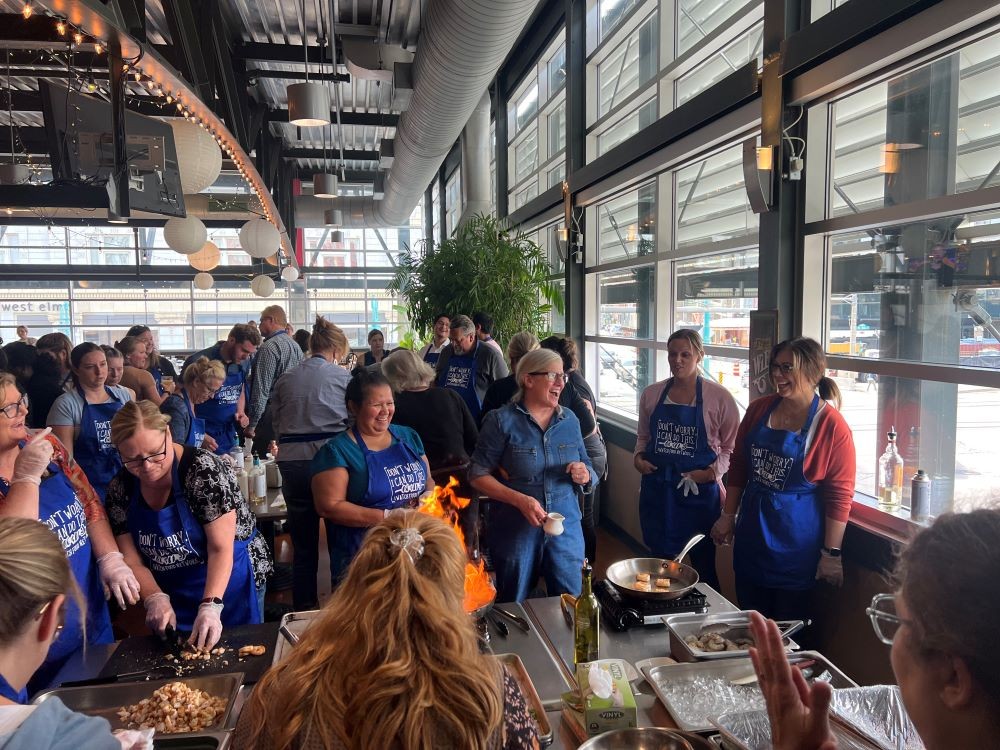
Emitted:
<point x="678" y="443"/>
<point x="460" y="376"/>
<point x="196" y="432"/>
<point x="219" y="412"/>
<point x="779" y="530"/>
<point x="92" y="448"/>
<point x="7" y="691"/>
<point x="61" y="510"/>
<point x="396" y="478"/>
<point x="157" y="374"/>
<point x="432" y="358"/>
<point x="173" y="546"/>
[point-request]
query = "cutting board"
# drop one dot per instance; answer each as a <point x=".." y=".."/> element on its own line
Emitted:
<point x="147" y="652"/>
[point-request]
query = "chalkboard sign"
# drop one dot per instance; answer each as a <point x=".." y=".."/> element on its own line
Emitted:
<point x="763" y="337"/>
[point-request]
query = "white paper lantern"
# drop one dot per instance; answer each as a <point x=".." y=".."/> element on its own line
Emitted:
<point x="262" y="286"/>
<point x="259" y="238"/>
<point x="205" y="259"/>
<point x="204" y="281"/>
<point x="199" y="158"/>
<point x="289" y="273"/>
<point x="185" y="236"/>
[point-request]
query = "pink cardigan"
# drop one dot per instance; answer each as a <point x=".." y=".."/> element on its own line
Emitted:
<point x="722" y="420"/>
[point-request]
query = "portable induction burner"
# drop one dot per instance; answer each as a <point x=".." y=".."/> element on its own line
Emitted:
<point x="622" y="612"/>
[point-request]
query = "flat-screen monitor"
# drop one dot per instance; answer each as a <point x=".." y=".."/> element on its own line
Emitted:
<point x="81" y="145"/>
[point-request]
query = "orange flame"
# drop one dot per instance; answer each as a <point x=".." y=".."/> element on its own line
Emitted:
<point x="445" y="504"/>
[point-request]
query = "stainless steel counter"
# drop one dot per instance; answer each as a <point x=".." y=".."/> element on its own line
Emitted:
<point x="546" y="672"/>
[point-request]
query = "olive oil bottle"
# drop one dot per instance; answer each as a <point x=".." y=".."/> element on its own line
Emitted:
<point x="587" y="621"/>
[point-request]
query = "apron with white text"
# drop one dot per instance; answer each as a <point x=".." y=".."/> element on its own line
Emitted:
<point x="219" y="412"/>
<point x="460" y="376"/>
<point x="92" y="448"/>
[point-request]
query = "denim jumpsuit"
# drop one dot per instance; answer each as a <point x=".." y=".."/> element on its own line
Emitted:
<point x="533" y="462"/>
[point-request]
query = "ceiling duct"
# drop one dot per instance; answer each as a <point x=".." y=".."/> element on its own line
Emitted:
<point x="462" y="45"/>
<point x="372" y="62"/>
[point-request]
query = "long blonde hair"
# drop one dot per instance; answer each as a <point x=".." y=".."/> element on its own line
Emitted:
<point x="393" y="660"/>
<point x="33" y="570"/>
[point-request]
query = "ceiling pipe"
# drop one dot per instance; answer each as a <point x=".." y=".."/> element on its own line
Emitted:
<point x="462" y="45"/>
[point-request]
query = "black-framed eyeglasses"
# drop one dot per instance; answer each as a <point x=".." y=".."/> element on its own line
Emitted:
<point x="10" y="410"/>
<point x="552" y="376"/>
<point x="785" y="367"/>
<point x="885" y="621"/>
<point x="139" y="461"/>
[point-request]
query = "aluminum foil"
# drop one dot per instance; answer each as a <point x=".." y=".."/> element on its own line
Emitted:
<point x="879" y="715"/>
<point x="750" y="730"/>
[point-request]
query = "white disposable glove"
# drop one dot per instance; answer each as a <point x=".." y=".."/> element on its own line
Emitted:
<point x="830" y="569"/>
<point x="33" y="459"/>
<point x="118" y="579"/>
<point x="690" y="486"/>
<point x="159" y="613"/>
<point x="722" y="529"/>
<point x="134" y="739"/>
<point x="207" y="628"/>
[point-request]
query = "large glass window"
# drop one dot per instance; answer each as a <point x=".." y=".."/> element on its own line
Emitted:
<point x="711" y="200"/>
<point x="733" y="56"/>
<point x="629" y="67"/>
<point x="625" y="225"/>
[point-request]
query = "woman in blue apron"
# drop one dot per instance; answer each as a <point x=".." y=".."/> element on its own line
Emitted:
<point x="82" y="418"/>
<point x="200" y="381"/>
<point x="792" y="481"/>
<point x="167" y="532"/>
<point x="38" y="586"/>
<point x="220" y="411"/>
<point x="682" y="449"/>
<point x="373" y="468"/>
<point x="460" y="376"/>
<point x="432" y="352"/>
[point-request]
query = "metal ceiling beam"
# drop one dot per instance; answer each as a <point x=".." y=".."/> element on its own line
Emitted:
<point x="230" y="78"/>
<point x="351" y="176"/>
<point x="317" y="153"/>
<point x="31" y="101"/>
<point x="298" y="75"/>
<point x="373" y="119"/>
<point x="133" y="16"/>
<point x="286" y="53"/>
<point x="183" y="26"/>
<point x="53" y="196"/>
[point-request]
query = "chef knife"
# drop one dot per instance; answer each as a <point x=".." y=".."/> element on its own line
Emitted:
<point x="172" y="640"/>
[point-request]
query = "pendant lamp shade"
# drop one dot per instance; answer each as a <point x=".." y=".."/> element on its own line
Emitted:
<point x="204" y="281"/>
<point x="289" y="273"/>
<point x="259" y="238"/>
<point x="205" y="259"/>
<point x="333" y="217"/>
<point x="325" y="185"/>
<point x="262" y="286"/>
<point x="185" y="236"/>
<point x="308" y="104"/>
<point x="199" y="158"/>
<point x="336" y="236"/>
<point x="272" y="260"/>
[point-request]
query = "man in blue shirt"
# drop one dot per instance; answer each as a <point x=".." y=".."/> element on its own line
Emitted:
<point x="227" y="407"/>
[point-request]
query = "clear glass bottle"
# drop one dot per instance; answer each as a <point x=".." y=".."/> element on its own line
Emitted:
<point x="257" y="481"/>
<point x="587" y="621"/>
<point x="890" y="476"/>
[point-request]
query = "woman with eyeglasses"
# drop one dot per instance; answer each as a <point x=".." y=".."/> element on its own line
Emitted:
<point x="791" y="482"/>
<point x="685" y="436"/>
<point x="38" y="590"/>
<point x="941" y="623"/>
<point x="38" y="480"/>
<point x="531" y="460"/>
<point x="186" y="530"/>
<point x="200" y="381"/>
<point x="81" y="418"/>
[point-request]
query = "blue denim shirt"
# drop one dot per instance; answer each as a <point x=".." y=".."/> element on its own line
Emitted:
<point x="534" y="461"/>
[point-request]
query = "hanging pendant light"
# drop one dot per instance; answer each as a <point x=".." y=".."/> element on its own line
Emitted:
<point x="333" y="217"/>
<point x="337" y="237"/>
<point x="308" y="103"/>
<point x="325" y="185"/>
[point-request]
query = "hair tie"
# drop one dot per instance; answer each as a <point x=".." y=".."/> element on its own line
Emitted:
<point x="410" y="541"/>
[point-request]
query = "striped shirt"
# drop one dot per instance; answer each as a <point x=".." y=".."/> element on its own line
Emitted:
<point x="277" y="355"/>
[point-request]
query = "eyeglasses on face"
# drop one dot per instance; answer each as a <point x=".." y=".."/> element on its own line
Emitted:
<point x="139" y="461"/>
<point x="10" y="410"/>
<point x="784" y="367"/>
<point x="885" y="621"/>
<point x="553" y="376"/>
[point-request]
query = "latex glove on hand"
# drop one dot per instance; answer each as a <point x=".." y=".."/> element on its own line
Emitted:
<point x="690" y="486"/>
<point x="118" y="579"/>
<point x="134" y="739"/>
<point x="830" y="569"/>
<point x="159" y="613"/>
<point x="722" y="529"/>
<point x="33" y="459"/>
<point x="207" y="628"/>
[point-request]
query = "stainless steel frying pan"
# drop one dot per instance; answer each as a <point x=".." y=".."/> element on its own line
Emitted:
<point x="682" y="577"/>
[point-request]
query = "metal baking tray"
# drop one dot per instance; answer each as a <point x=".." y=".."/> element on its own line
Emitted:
<point x="194" y="741"/>
<point x="662" y="677"/>
<point x="295" y="623"/>
<point x="105" y="700"/>
<point x="516" y="668"/>
<point x="691" y="623"/>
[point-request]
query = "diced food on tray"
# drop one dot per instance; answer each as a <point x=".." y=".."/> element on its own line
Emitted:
<point x="251" y="651"/>
<point x="174" y="708"/>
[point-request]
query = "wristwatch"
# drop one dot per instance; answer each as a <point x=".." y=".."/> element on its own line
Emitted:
<point x="211" y="600"/>
<point x="832" y="551"/>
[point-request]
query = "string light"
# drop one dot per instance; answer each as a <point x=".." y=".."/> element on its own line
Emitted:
<point x="61" y="28"/>
<point x="78" y="38"/>
<point x="98" y="48"/>
<point x="27" y="10"/>
<point x="170" y="99"/>
<point x="138" y="76"/>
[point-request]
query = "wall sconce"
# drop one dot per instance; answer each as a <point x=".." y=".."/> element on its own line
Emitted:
<point x="758" y="175"/>
<point x="765" y="158"/>
<point x="890" y="159"/>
